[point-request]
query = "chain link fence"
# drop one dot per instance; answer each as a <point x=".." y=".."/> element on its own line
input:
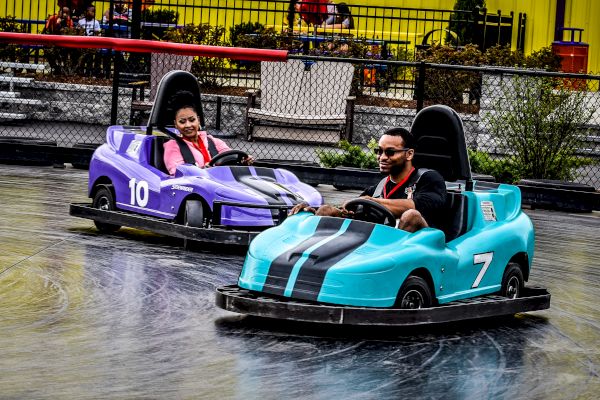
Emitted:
<point x="316" y="110"/>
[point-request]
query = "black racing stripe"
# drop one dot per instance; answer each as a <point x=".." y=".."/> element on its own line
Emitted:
<point x="312" y="274"/>
<point x="266" y="172"/>
<point x="281" y="267"/>
<point x="271" y="195"/>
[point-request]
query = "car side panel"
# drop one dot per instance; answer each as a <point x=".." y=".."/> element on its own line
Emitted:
<point x="500" y="230"/>
<point x="372" y="275"/>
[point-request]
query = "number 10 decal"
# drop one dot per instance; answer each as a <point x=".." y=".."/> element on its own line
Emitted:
<point x="486" y="260"/>
<point x="139" y="192"/>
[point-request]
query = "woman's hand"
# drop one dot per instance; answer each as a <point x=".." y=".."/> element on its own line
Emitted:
<point x="248" y="160"/>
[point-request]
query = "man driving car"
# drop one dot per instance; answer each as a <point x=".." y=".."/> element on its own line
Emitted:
<point x="416" y="197"/>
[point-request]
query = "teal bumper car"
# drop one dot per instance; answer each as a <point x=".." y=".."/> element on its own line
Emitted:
<point x="364" y="271"/>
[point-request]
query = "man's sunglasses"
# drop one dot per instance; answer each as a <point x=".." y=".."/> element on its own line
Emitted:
<point x="389" y="152"/>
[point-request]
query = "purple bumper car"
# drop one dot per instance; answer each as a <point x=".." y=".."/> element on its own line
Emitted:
<point x="226" y="203"/>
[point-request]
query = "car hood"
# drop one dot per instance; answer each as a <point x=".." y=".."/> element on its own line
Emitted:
<point x="245" y="183"/>
<point x="309" y="247"/>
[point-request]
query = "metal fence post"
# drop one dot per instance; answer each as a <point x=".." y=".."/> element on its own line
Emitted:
<point x="420" y="90"/>
<point x="218" y="117"/>
<point x="115" y="88"/>
<point x="136" y="19"/>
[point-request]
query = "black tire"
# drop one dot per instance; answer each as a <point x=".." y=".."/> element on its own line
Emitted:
<point x="193" y="215"/>
<point x="414" y="294"/>
<point x="512" y="281"/>
<point x="104" y="200"/>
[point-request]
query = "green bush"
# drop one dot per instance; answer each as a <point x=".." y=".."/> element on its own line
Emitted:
<point x="11" y="52"/>
<point x="350" y="156"/>
<point x="161" y="15"/>
<point x="447" y="87"/>
<point x="67" y="61"/>
<point x="158" y="16"/>
<point x="253" y="35"/>
<point x="540" y="122"/>
<point x="543" y="58"/>
<point x="464" y="29"/>
<point x="500" y="55"/>
<point x="209" y="70"/>
<point x="503" y="170"/>
<point x="505" y="57"/>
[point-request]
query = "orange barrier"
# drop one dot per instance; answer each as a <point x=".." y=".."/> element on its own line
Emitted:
<point x="145" y="46"/>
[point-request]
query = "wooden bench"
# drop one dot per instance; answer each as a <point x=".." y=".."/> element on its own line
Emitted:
<point x="302" y="101"/>
<point x="9" y="116"/>
<point x="12" y="66"/>
<point x="10" y="100"/>
<point x="12" y="81"/>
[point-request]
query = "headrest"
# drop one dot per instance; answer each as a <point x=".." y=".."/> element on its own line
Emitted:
<point x="440" y="143"/>
<point x="171" y="83"/>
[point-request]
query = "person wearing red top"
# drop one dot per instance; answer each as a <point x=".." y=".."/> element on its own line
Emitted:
<point x="59" y="21"/>
<point x="188" y="124"/>
<point x="313" y="12"/>
<point x="416" y="197"/>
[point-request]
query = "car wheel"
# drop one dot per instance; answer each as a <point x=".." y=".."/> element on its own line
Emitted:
<point x="104" y="200"/>
<point x="414" y="294"/>
<point x="512" y="281"/>
<point x="194" y="214"/>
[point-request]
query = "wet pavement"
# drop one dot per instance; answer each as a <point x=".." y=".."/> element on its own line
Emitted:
<point x="132" y="315"/>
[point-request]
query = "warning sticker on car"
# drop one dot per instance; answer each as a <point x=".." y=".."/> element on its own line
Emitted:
<point x="489" y="213"/>
<point x="134" y="148"/>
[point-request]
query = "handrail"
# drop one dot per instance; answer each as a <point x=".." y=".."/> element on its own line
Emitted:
<point x="145" y="46"/>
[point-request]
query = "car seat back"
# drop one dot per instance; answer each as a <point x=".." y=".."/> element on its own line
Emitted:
<point x="440" y="143"/>
<point x="456" y="222"/>
<point x="161" y="64"/>
<point x="161" y="115"/>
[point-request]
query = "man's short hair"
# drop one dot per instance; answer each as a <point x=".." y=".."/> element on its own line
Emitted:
<point x="407" y="137"/>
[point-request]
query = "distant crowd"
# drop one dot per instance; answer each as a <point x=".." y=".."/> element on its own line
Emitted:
<point x="324" y="13"/>
<point x="81" y="15"/>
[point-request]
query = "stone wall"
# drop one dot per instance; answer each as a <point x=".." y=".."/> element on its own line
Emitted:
<point x="67" y="102"/>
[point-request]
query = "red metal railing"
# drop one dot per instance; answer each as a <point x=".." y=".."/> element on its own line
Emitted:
<point x="145" y="46"/>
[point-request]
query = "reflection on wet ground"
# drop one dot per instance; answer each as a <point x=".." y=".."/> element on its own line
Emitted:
<point x="132" y="315"/>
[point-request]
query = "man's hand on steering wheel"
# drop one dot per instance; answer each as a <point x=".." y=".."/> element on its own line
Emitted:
<point x="367" y="209"/>
<point x="304" y="206"/>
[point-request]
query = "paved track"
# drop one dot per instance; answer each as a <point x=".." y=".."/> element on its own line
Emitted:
<point x="131" y="315"/>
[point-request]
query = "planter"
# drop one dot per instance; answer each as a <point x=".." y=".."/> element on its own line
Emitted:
<point x="559" y="195"/>
<point x="351" y="178"/>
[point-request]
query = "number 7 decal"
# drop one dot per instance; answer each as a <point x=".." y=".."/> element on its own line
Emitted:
<point x="486" y="260"/>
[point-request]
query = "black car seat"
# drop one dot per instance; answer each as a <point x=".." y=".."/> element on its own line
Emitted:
<point x="157" y="153"/>
<point x="456" y="222"/>
<point x="440" y="145"/>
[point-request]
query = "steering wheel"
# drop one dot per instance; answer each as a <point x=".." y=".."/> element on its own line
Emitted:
<point x="371" y="211"/>
<point x="229" y="157"/>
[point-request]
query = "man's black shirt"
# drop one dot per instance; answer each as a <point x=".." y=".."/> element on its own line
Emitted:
<point x="428" y="194"/>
